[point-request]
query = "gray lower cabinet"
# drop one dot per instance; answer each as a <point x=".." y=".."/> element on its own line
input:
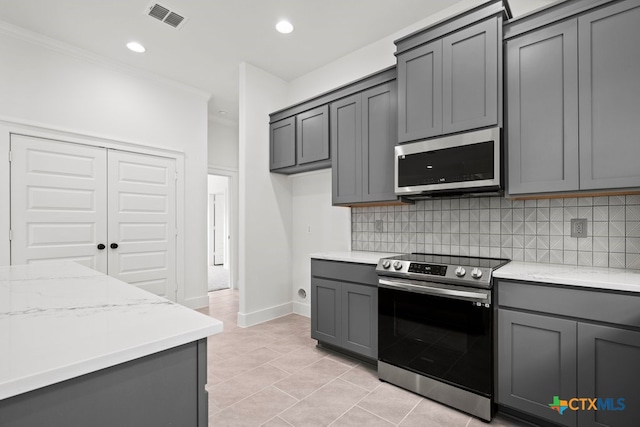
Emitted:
<point x="363" y="136"/>
<point x="344" y="306"/>
<point x="573" y="98"/>
<point x="609" y="368"/>
<point x="300" y="143"/>
<point x="450" y="75"/>
<point x="163" y="389"/>
<point x="571" y="343"/>
<point x="536" y="360"/>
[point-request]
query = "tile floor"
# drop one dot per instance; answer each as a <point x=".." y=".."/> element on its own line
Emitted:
<point x="273" y="374"/>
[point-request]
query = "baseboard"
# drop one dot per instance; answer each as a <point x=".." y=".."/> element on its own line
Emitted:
<point x="250" y="319"/>
<point x="302" y="309"/>
<point x="195" y="303"/>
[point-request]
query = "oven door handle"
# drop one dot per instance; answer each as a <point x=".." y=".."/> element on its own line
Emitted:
<point x="429" y="290"/>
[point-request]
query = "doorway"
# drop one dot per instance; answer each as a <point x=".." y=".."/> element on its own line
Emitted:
<point x="218" y="267"/>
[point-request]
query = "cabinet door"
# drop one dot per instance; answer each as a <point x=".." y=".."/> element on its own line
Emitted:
<point x="542" y="117"/>
<point x="282" y="144"/>
<point x="536" y="361"/>
<point x="312" y="135"/>
<point x="608" y="368"/>
<point x="346" y="145"/>
<point x="420" y="92"/>
<point x="326" y="310"/>
<point x="610" y="96"/>
<point x="379" y="134"/>
<point x="470" y="77"/>
<point x="360" y="319"/>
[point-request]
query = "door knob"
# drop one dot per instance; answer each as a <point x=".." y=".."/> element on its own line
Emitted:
<point x="101" y="246"/>
<point x="114" y="246"/>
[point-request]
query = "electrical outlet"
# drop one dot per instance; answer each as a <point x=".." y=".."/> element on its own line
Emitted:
<point x="378" y="225"/>
<point x="579" y="227"/>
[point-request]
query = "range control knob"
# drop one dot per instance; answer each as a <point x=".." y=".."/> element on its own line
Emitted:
<point x="476" y="273"/>
<point x="397" y="265"/>
<point x="386" y="264"/>
<point x="460" y="271"/>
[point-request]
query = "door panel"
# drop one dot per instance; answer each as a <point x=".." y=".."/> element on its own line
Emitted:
<point x="58" y="202"/>
<point x="142" y="220"/>
<point x="609" y="61"/>
<point x="346" y="146"/>
<point x="470" y="77"/>
<point x="218" y="228"/>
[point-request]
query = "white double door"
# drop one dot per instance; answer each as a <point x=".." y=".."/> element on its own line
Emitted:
<point x="111" y="210"/>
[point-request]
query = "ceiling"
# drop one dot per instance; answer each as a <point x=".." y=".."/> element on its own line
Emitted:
<point x="206" y="51"/>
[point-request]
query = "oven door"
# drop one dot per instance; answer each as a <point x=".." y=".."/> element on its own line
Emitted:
<point x="439" y="331"/>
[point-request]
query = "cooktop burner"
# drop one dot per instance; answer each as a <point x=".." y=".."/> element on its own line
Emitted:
<point x="454" y="269"/>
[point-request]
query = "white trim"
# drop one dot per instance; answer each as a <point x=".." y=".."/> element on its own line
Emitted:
<point x="302" y="309"/>
<point x="196" y="303"/>
<point x="232" y="202"/>
<point x="73" y="51"/>
<point x="8" y="128"/>
<point x="251" y="319"/>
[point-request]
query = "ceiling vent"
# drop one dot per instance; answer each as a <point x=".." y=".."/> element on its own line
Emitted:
<point x="166" y="15"/>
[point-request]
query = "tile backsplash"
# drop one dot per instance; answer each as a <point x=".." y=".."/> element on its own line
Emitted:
<point x="521" y="230"/>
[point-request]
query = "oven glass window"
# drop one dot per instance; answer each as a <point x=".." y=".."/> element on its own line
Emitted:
<point x="472" y="162"/>
<point x="442" y="338"/>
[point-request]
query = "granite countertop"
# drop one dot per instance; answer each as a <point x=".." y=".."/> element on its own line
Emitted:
<point x="63" y="320"/>
<point x="360" y="257"/>
<point x="571" y="275"/>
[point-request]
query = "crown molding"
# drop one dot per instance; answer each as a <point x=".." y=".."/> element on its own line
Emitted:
<point x="78" y="53"/>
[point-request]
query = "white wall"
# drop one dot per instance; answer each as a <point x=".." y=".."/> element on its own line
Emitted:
<point x="265" y="205"/>
<point x="223" y="144"/>
<point x="47" y="84"/>
<point x="317" y="227"/>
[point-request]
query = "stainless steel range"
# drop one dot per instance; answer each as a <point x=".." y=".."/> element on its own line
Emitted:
<point x="435" y="328"/>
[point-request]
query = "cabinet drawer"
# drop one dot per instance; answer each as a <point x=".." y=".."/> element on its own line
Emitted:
<point x="345" y="271"/>
<point x="601" y="306"/>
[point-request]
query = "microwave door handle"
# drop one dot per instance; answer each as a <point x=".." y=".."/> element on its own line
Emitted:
<point x="429" y="290"/>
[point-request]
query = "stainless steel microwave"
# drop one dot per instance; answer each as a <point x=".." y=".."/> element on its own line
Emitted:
<point x="467" y="163"/>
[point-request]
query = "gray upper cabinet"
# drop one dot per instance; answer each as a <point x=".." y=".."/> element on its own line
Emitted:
<point x="312" y="135"/>
<point x="300" y="135"/>
<point x="609" y="55"/>
<point x="420" y="92"/>
<point x="282" y="144"/>
<point x="573" y="96"/>
<point x="346" y="141"/>
<point x="470" y="77"/>
<point x="300" y="143"/>
<point x="542" y="88"/>
<point x="363" y="136"/>
<point x="450" y="75"/>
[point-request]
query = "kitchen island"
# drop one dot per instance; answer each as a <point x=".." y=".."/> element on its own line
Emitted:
<point x="82" y="348"/>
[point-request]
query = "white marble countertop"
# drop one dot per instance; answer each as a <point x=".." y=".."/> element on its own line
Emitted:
<point x="361" y="257"/>
<point x="591" y="277"/>
<point x="59" y="321"/>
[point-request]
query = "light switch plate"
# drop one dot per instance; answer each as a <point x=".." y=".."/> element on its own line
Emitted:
<point x="378" y="225"/>
<point x="579" y="227"/>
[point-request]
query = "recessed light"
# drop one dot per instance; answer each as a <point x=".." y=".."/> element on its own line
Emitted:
<point x="284" y="27"/>
<point x="222" y="112"/>
<point x="136" y="47"/>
